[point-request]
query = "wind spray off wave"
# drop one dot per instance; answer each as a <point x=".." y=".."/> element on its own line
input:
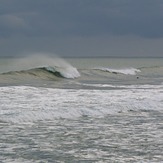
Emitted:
<point x="55" y="65"/>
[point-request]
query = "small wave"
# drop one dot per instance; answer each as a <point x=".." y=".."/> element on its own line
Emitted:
<point x="118" y="87"/>
<point x="125" y="71"/>
<point x="152" y="67"/>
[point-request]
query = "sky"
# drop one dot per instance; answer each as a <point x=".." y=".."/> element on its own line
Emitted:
<point x="82" y="28"/>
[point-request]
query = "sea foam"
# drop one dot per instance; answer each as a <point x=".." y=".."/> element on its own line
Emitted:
<point x="29" y="104"/>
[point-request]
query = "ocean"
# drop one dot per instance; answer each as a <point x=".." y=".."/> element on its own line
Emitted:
<point x="77" y="110"/>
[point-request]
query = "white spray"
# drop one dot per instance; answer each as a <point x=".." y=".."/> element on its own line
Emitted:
<point x="39" y="60"/>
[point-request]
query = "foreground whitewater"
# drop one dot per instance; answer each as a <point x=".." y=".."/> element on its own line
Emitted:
<point x="92" y="110"/>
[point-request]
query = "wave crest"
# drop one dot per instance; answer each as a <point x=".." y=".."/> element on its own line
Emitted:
<point x="66" y="72"/>
<point x="34" y="65"/>
<point x="125" y="71"/>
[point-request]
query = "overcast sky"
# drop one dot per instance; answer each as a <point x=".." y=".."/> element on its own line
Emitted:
<point x="131" y="28"/>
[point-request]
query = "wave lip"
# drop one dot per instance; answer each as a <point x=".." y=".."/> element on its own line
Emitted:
<point x="125" y="71"/>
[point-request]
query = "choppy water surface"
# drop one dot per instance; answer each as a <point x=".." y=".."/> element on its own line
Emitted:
<point x="58" y="125"/>
<point x="131" y="137"/>
<point x="91" y="113"/>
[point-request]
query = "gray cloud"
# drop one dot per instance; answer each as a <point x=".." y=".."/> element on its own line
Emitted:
<point x="62" y="17"/>
<point x="11" y="21"/>
<point x="87" y="21"/>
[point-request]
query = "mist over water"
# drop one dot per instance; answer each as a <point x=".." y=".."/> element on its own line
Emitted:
<point x="36" y="60"/>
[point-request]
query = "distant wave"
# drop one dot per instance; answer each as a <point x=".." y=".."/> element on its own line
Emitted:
<point x="157" y="68"/>
<point x="152" y="67"/>
<point x="125" y="71"/>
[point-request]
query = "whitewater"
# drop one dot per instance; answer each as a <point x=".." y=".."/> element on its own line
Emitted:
<point x="81" y="109"/>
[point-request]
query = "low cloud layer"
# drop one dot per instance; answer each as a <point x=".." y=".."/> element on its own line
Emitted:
<point x="82" y="28"/>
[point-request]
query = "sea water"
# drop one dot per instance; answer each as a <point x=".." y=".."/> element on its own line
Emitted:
<point x="81" y="110"/>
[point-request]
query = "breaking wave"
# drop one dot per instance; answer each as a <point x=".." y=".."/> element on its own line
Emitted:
<point x="46" y="72"/>
<point x="66" y="72"/>
<point x="125" y="71"/>
<point x="41" y="66"/>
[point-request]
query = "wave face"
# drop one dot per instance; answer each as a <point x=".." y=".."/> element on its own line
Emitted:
<point x="40" y="67"/>
<point x="65" y="72"/>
